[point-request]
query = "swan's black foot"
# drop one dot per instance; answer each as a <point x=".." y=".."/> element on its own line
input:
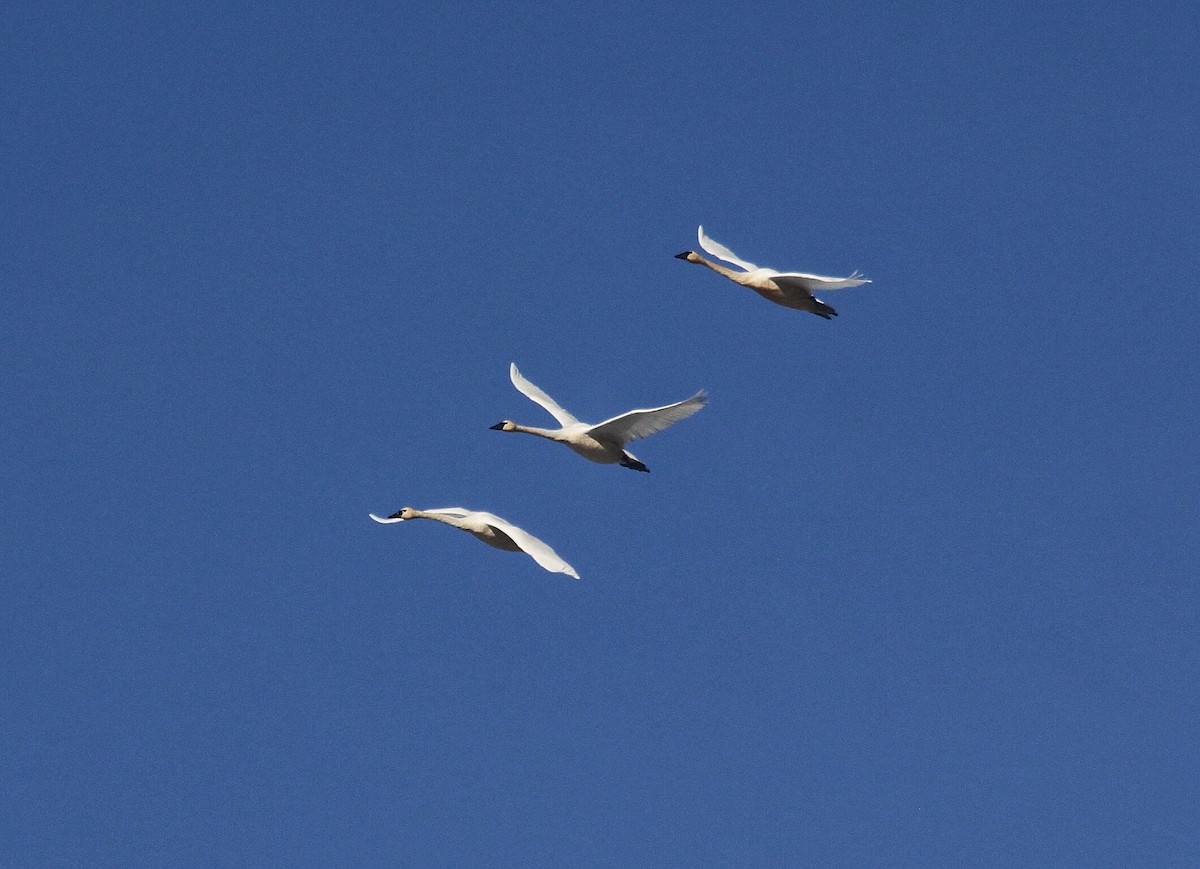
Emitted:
<point x="631" y="462"/>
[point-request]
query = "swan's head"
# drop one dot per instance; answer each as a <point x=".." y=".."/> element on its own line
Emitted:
<point x="689" y="255"/>
<point x="404" y="513"/>
<point x="504" y="425"/>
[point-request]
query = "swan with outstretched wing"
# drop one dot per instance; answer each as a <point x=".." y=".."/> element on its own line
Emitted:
<point x="790" y="289"/>
<point x="603" y="442"/>
<point x="489" y="528"/>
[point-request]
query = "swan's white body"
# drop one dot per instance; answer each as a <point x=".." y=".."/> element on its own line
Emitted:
<point x="604" y="442"/>
<point x="489" y="528"/>
<point x="790" y="289"/>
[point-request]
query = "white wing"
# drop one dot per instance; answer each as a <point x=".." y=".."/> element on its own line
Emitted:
<point x="721" y="251"/>
<point x="813" y="283"/>
<point x="385" y="521"/>
<point x="536" y="395"/>
<point x="643" y="423"/>
<point x="530" y="545"/>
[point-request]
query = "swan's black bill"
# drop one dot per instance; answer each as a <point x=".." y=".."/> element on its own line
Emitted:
<point x="497" y="427"/>
<point x="396" y="515"/>
<point x="683" y="255"/>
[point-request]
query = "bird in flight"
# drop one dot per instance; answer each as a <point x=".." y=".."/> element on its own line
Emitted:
<point x="790" y="289"/>
<point x="489" y="528"/>
<point x="604" y="442"/>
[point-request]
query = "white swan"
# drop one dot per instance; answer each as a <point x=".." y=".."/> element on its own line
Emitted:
<point x="489" y="528"/>
<point x="790" y="289"/>
<point x="605" y="441"/>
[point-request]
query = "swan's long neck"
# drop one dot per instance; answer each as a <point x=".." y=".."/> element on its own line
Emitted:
<point x="737" y="277"/>
<point x="551" y="434"/>
<point x="453" y="521"/>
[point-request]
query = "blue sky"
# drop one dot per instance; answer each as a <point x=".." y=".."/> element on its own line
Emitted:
<point x="918" y="588"/>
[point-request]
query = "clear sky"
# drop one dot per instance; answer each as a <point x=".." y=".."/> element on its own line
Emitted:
<point x="917" y="588"/>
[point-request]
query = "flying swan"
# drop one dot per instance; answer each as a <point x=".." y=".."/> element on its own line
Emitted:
<point x="790" y="289"/>
<point x="491" y="529"/>
<point x="604" y="442"/>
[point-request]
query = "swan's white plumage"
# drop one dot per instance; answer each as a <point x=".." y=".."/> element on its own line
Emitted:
<point x="805" y="281"/>
<point x="635" y="424"/>
<point x="530" y="545"/>
<point x="485" y="527"/>
<point x="721" y="251"/>
<point x="604" y="442"/>
<point x="789" y="289"/>
<point x="534" y="394"/>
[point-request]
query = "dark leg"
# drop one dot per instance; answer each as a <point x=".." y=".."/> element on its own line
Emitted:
<point x="629" y="461"/>
<point x="823" y="310"/>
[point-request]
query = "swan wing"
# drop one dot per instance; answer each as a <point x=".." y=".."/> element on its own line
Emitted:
<point x="814" y="283"/>
<point x="721" y="251"/>
<point x="643" y="423"/>
<point x="385" y="520"/>
<point x="540" y="552"/>
<point x="536" y="395"/>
